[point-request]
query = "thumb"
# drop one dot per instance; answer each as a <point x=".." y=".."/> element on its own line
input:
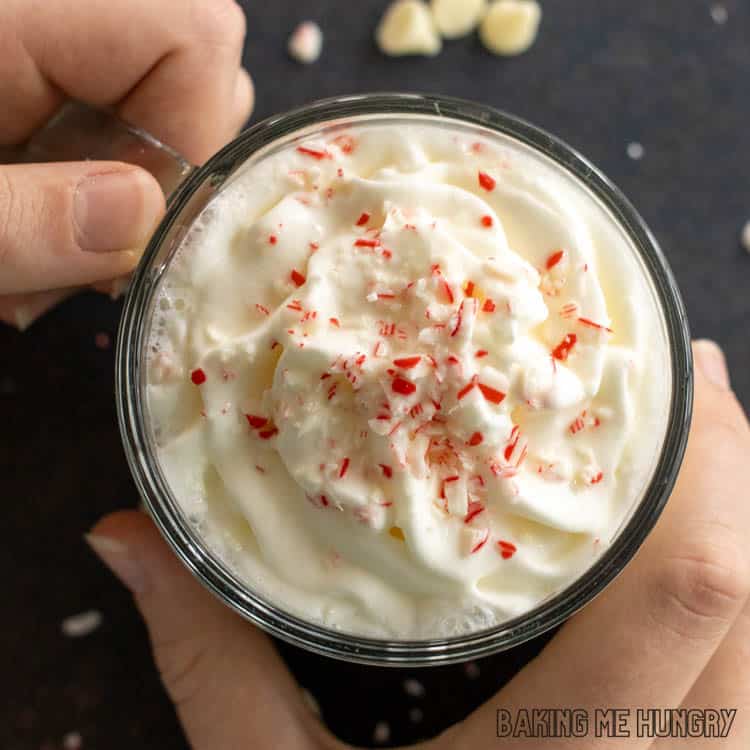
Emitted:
<point x="228" y="684"/>
<point x="73" y="223"/>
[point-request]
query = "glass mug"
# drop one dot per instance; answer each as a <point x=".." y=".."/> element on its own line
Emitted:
<point x="189" y="189"/>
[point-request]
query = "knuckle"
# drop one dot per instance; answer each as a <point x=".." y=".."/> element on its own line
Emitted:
<point x="699" y="592"/>
<point x="220" y="23"/>
<point x="183" y="665"/>
<point x="8" y="215"/>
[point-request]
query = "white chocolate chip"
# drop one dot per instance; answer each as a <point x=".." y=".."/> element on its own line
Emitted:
<point x="746" y="236"/>
<point x="407" y="29"/>
<point x="455" y="18"/>
<point x="510" y="26"/>
<point x="306" y="42"/>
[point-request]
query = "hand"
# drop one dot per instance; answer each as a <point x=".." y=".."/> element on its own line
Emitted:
<point x="172" y="68"/>
<point x="673" y="629"/>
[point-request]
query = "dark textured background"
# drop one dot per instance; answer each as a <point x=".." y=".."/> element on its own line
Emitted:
<point x="603" y="73"/>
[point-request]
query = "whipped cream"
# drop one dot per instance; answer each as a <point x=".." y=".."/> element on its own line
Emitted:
<point x="407" y="380"/>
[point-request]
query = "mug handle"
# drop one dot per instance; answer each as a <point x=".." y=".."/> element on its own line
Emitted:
<point x="81" y="132"/>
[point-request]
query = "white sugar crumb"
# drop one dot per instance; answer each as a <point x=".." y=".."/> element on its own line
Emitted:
<point x="414" y="688"/>
<point x="719" y="14"/>
<point x="416" y="715"/>
<point x="381" y="733"/>
<point x="306" y="42"/>
<point x="72" y="741"/>
<point x="311" y="702"/>
<point x="471" y="669"/>
<point x="746" y="236"/>
<point x="82" y="624"/>
<point x="635" y="151"/>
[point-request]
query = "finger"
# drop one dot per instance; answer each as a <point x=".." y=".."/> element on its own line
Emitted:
<point x="228" y="684"/>
<point x="73" y="223"/>
<point x="244" y="101"/>
<point x="21" y="310"/>
<point x="647" y="638"/>
<point x="170" y="66"/>
<point x="724" y="687"/>
<point x="113" y="288"/>
<point x="186" y="100"/>
<point x="724" y="683"/>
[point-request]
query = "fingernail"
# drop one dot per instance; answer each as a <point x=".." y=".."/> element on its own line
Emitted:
<point x="711" y="361"/>
<point x="116" y="210"/>
<point x="117" y="557"/>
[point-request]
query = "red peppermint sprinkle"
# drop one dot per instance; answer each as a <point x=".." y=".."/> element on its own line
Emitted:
<point x="315" y="153"/>
<point x="345" y="143"/>
<point x="314" y="246"/>
<point x="466" y="389"/>
<point x="481" y="542"/>
<point x="387" y="254"/>
<point x="469" y="288"/>
<point x="364" y="217"/>
<point x="273" y="239"/>
<point x="486" y="221"/>
<point x="513" y="442"/>
<point x="562" y="350"/>
<point x="491" y="394"/>
<point x="267" y="434"/>
<point x="598" y="478"/>
<point x="334" y="322"/>
<point x="448" y="291"/>
<point x="591" y="324"/>
<point x="297" y="278"/>
<point x="262" y="309"/>
<point x="481" y="353"/>
<point x="475" y="508"/>
<point x="344" y="467"/>
<point x="486" y="182"/>
<point x="406" y="363"/>
<point x="459" y="319"/>
<point x="256" y="422"/>
<point x="387" y="470"/>
<point x="578" y="424"/>
<point x="402" y="386"/>
<point x="198" y="376"/>
<point x="507" y="549"/>
<point x="362" y="242"/>
<point x="554" y="259"/>
<point x="445" y="481"/>
<point x="488" y="306"/>
<point x="476" y="439"/>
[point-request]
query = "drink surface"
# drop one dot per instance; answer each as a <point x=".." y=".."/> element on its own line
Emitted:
<point x="407" y="381"/>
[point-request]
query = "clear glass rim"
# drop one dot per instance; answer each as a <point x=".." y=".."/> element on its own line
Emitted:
<point x="217" y="577"/>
